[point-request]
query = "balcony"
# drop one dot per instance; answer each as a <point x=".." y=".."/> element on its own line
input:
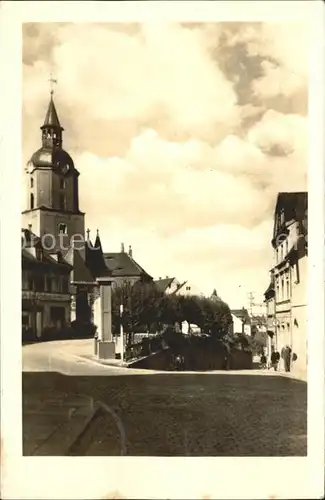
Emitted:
<point x="45" y="296"/>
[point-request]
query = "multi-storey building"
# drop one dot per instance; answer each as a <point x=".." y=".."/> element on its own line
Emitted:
<point x="59" y="279"/>
<point x="45" y="288"/>
<point x="286" y="297"/>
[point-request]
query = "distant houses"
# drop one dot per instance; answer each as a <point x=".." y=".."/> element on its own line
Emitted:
<point x="241" y="322"/>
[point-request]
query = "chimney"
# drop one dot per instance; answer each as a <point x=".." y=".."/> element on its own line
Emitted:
<point x="122" y="247"/>
<point x="130" y="251"/>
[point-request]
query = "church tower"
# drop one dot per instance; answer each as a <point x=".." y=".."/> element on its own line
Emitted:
<point x="52" y="197"/>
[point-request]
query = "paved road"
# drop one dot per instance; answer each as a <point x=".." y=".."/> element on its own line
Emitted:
<point x="173" y="414"/>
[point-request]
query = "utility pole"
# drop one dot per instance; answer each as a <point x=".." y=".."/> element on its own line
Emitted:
<point x="121" y="333"/>
<point x="251" y="299"/>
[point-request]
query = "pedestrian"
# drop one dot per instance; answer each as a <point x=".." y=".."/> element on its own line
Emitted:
<point x="178" y="361"/>
<point x="274" y="359"/>
<point x="287" y="358"/>
<point x="263" y="361"/>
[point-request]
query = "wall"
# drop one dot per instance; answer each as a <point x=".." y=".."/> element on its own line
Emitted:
<point x="197" y="359"/>
<point x="162" y="360"/>
<point x="237" y="325"/>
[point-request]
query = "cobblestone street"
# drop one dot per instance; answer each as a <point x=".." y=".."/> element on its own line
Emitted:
<point x="183" y="414"/>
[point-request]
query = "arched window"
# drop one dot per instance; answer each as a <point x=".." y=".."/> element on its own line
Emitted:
<point x="31" y="182"/>
<point x="31" y="201"/>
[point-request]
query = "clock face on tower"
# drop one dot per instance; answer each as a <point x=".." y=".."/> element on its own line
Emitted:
<point x="63" y="167"/>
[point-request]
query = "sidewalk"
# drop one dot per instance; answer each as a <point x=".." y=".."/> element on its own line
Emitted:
<point x="52" y="426"/>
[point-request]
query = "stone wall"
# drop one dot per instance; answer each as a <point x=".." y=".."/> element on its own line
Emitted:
<point x="198" y="360"/>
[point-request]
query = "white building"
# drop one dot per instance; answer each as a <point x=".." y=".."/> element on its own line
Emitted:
<point x="286" y="297"/>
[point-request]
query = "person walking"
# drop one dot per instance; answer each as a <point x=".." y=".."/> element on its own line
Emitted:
<point x="287" y="358"/>
<point x="263" y="361"/>
<point x="275" y="356"/>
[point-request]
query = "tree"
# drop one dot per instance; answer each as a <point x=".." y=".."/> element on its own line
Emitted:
<point x="141" y="303"/>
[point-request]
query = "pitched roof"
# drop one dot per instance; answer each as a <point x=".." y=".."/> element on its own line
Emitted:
<point x="30" y="240"/>
<point x="122" y="264"/>
<point x="269" y="292"/>
<point x="163" y="284"/>
<point x="292" y="203"/>
<point x="95" y="259"/>
<point x="80" y="272"/>
<point x="240" y="313"/>
<point x="51" y="118"/>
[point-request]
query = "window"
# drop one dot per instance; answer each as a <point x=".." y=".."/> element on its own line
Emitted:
<point x="26" y="319"/>
<point x="188" y="288"/>
<point x="48" y="283"/>
<point x="30" y="283"/>
<point x="62" y="183"/>
<point x="282" y="217"/>
<point x="31" y="182"/>
<point x="39" y="283"/>
<point x="55" y="285"/>
<point x="282" y="288"/>
<point x="65" y="284"/>
<point x="31" y="201"/>
<point x="296" y="273"/>
<point x="62" y="228"/>
<point x="62" y="201"/>
<point x="25" y="281"/>
<point x="288" y="286"/>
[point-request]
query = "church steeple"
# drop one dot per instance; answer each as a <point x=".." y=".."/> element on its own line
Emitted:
<point x="51" y="129"/>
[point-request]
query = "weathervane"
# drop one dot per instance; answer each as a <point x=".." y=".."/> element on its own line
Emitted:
<point x="52" y="81"/>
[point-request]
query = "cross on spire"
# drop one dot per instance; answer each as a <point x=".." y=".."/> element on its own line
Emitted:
<point x="52" y="81"/>
<point x="88" y="232"/>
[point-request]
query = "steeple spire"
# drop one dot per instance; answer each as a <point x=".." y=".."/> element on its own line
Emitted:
<point x="98" y="244"/>
<point x="51" y="118"/>
<point x="51" y="129"/>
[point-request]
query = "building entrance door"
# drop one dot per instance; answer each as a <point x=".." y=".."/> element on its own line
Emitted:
<point x="57" y="317"/>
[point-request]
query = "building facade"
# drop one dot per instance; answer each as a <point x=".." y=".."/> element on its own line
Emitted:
<point x="286" y="297"/>
<point x="45" y="288"/>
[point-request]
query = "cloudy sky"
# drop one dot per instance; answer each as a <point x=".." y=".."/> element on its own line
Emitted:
<point x="183" y="135"/>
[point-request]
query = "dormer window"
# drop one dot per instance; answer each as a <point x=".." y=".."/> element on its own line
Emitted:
<point x="282" y="217"/>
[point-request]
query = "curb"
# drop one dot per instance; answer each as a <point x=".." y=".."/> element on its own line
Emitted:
<point x="295" y="376"/>
<point x="101" y="362"/>
<point x="64" y="438"/>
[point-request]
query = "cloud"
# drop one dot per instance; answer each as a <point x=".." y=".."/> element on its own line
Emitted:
<point x="182" y="137"/>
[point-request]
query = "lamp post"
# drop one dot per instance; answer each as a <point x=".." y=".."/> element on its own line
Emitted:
<point x="121" y="333"/>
